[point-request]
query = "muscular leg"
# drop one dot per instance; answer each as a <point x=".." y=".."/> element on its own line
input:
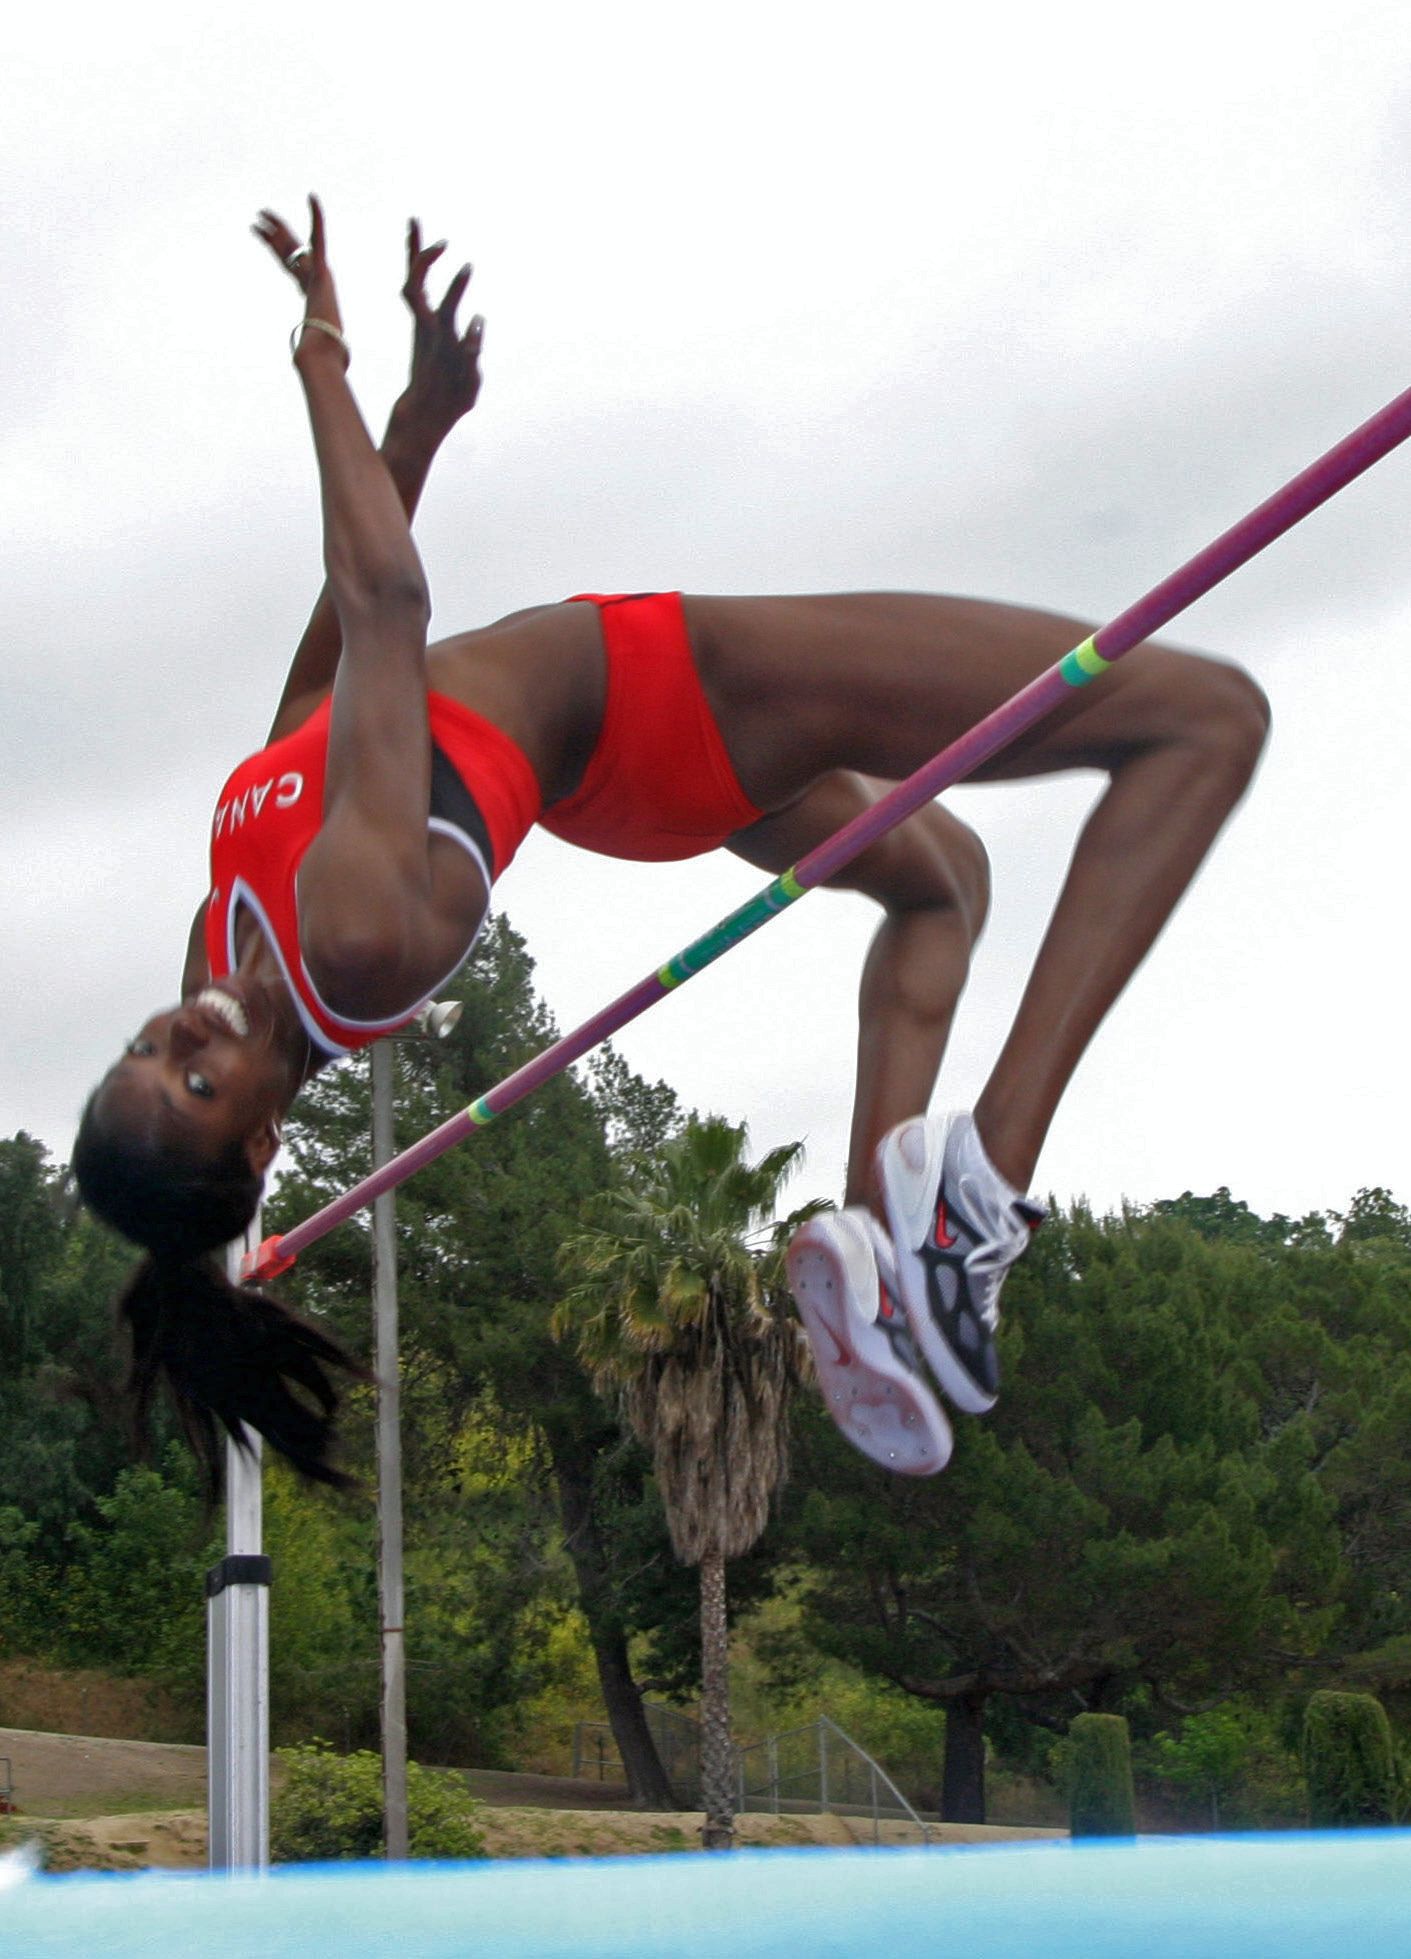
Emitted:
<point x="880" y="682"/>
<point x="931" y="878"/>
<point x="1168" y="797"/>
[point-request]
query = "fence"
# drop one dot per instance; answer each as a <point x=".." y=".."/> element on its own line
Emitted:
<point x="678" y="1743"/>
<point x="813" y="1768"/>
<point x="818" y="1767"/>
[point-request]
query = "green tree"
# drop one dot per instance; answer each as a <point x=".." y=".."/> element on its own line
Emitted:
<point x="25" y="1586"/>
<point x="1330" y="1346"/>
<point x="1349" y="1761"/>
<point x="1145" y="1510"/>
<point x="1229" y="1218"/>
<point x="29" y="1247"/>
<point x="132" y="1597"/>
<point x="1095" y="1761"/>
<point x="676" y="1312"/>
<point x="65" y="1439"/>
<point x="478" y="1236"/>
<point x="1208" y="1757"/>
<point x="1374" y="1216"/>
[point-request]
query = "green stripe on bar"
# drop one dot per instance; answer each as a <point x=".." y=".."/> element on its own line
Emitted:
<point x="729" y="932"/>
<point x="480" y="1113"/>
<point x="1083" y="664"/>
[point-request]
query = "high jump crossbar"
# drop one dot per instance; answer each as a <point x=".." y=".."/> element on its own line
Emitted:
<point x="1322" y="479"/>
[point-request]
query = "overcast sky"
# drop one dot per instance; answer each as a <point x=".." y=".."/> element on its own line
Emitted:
<point x="1021" y="301"/>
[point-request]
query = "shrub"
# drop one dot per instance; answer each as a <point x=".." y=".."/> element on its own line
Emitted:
<point x="1348" y="1761"/>
<point x="330" y="1806"/>
<point x="1235" y="1758"/>
<point x="1094" y="1761"/>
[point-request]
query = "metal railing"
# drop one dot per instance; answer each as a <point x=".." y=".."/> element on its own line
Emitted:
<point x="810" y="1769"/>
<point x="678" y="1744"/>
<point x="817" y="1768"/>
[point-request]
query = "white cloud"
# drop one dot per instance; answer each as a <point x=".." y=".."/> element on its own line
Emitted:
<point x="1027" y="302"/>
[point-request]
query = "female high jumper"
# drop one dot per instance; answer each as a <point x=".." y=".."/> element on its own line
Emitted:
<point x="352" y="860"/>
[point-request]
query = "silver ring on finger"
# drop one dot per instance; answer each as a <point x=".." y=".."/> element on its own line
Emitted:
<point x="297" y="257"/>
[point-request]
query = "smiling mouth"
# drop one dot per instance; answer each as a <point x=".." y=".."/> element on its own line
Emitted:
<point x="226" y="1008"/>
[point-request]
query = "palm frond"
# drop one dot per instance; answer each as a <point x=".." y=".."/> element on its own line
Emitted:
<point x="678" y="1315"/>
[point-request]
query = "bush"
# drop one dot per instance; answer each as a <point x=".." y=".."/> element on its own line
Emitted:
<point x="1348" y="1761"/>
<point x="330" y="1806"/>
<point x="1234" y="1758"/>
<point x="1094" y="1762"/>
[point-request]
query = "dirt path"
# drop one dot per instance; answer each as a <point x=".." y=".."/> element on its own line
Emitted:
<point x="126" y="1805"/>
<point x="80" y="1775"/>
<point x="176" y="1839"/>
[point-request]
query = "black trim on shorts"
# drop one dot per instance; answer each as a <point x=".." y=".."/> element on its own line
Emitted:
<point x="452" y="802"/>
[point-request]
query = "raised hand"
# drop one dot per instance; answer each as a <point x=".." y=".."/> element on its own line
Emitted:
<point x="307" y="265"/>
<point x="445" y="371"/>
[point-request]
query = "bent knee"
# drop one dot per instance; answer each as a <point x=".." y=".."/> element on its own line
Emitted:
<point x="931" y="862"/>
<point x="1232" y="720"/>
<point x="968" y="870"/>
<point x="1211" y="708"/>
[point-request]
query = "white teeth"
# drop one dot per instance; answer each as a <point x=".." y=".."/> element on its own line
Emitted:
<point x="225" y="1008"/>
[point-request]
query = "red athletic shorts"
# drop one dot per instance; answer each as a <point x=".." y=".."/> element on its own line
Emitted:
<point x="659" y="783"/>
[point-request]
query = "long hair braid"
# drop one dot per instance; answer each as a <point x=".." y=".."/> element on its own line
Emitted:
<point x="224" y="1354"/>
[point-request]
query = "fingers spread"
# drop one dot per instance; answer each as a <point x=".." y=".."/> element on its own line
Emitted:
<point x="274" y="231"/>
<point x="271" y="229"/>
<point x="420" y="259"/>
<point x="455" y="293"/>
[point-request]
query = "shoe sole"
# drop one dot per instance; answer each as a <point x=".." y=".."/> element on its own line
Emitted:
<point x="879" y="1405"/>
<point x="902" y="1190"/>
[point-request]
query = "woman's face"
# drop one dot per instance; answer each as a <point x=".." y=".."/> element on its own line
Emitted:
<point x="208" y="1073"/>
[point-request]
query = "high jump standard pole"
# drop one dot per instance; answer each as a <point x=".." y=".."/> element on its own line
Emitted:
<point x="1233" y="548"/>
<point x="237" y="1657"/>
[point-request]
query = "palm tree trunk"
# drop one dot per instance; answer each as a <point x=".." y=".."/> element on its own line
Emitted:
<point x="717" y="1754"/>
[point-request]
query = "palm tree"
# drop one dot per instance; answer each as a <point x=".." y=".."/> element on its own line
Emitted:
<point x="680" y="1311"/>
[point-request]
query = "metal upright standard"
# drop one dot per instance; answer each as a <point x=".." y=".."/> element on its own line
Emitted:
<point x="433" y="1023"/>
<point x="1085" y="663"/>
<point x="237" y="1664"/>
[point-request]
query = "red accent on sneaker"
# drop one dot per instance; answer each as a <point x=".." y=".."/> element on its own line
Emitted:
<point x="940" y="1229"/>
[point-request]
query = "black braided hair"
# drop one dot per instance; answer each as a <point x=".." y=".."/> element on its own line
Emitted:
<point x="224" y="1353"/>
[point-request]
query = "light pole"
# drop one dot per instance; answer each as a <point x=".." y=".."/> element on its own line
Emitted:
<point x="434" y="1022"/>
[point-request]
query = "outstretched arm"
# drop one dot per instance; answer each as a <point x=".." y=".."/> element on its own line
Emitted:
<point x="442" y="387"/>
<point x="375" y="924"/>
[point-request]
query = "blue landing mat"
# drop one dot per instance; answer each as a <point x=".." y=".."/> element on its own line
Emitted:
<point x="1343" y="1896"/>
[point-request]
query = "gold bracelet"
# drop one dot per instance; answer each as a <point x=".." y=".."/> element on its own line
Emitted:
<point x="323" y="326"/>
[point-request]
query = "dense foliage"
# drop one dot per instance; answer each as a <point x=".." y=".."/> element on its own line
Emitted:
<point x="681" y="1312"/>
<point x="1349" y="1761"/>
<point x="1192" y="1507"/>
<point x="1095" y="1762"/>
<point x="1194" y="1486"/>
<point x="328" y="1807"/>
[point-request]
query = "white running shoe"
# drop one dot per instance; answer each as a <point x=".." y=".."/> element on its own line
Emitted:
<point x="957" y="1227"/>
<point x="843" y="1278"/>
